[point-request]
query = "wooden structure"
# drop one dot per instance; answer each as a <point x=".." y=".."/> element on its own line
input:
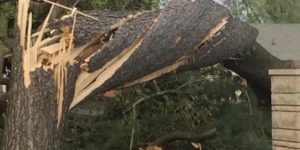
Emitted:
<point x="285" y="109"/>
<point x="281" y="40"/>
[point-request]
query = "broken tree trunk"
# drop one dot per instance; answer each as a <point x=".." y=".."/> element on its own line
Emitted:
<point x="135" y="47"/>
<point x="31" y="119"/>
<point x="253" y="64"/>
<point x="67" y="62"/>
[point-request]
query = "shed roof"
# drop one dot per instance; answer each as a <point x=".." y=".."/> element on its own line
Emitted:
<point x="281" y="40"/>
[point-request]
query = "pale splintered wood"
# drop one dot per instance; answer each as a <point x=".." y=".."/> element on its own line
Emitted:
<point x="30" y="55"/>
<point x="214" y="31"/>
<point x="289" y="120"/>
<point x="55" y="50"/>
<point x="60" y="78"/>
<point x="184" y="59"/>
<point x="286" y="99"/>
<point x="23" y="6"/>
<point x="59" y="51"/>
<point x="63" y="58"/>
<point x="38" y="33"/>
<point x="107" y="73"/>
<point x="51" y="49"/>
<point x="70" y="46"/>
<point x="49" y="41"/>
<point x="27" y="55"/>
<point x="87" y="82"/>
<point x="29" y="31"/>
<point x="160" y="72"/>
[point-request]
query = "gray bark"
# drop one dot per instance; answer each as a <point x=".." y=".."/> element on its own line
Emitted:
<point x="32" y="112"/>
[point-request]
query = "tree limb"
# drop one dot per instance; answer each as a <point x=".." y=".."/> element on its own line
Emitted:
<point x="253" y="65"/>
<point x="173" y="136"/>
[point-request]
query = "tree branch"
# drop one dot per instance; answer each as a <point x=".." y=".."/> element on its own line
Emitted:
<point x="253" y="65"/>
<point x="173" y="136"/>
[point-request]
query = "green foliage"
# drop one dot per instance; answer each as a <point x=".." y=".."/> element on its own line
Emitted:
<point x="250" y="11"/>
<point x="210" y="98"/>
<point x="266" y="11"/>
<point x="240" y="130"/>
<point x="7" y="12"/>
<point x="3" y="26"/>
<point x="287" y="11"/>
<point x="8" y="9"/>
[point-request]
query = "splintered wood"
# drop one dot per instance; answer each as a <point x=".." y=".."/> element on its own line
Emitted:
<point x="214" y="31"/>
<point x="23" y="6"/>
<point x="88" y="82"/>
<point x="55" y="51"/>
<point x="184" y="59"/>
<point x="51" y="52"/>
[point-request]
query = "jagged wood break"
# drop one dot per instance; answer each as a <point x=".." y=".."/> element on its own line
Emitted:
<point x="85" y="54"/>
<point x="49" y="52"/>
<point x="93" y="53"/>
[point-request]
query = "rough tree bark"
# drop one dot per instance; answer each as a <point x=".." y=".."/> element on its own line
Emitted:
<point x="119" y="49"/>
<point x="253" y="64"/>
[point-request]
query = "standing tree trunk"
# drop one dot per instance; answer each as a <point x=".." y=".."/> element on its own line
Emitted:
<point x="31" y="118"/>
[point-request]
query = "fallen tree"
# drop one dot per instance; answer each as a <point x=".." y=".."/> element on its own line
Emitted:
<point x="71" y="60"/>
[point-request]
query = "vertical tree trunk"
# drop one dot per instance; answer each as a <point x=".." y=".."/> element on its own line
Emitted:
<point x="31" y="114"/>
<point x="31" y="118"/>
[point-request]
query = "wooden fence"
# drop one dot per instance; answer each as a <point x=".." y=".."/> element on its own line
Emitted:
<point x="285" y="109"/>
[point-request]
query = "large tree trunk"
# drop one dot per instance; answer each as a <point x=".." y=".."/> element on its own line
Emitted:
<point x="31" y="120"/>
<point x="118" y="50"/>
<point x="155" y="43"/>
<point x="253" y="64"/>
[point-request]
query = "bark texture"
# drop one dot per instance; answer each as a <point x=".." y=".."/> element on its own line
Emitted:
<point x="253" y="64"/>
<point x="183" y="32"/>
<point x="122" y="49"/>
<point x="30" y="118"/>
